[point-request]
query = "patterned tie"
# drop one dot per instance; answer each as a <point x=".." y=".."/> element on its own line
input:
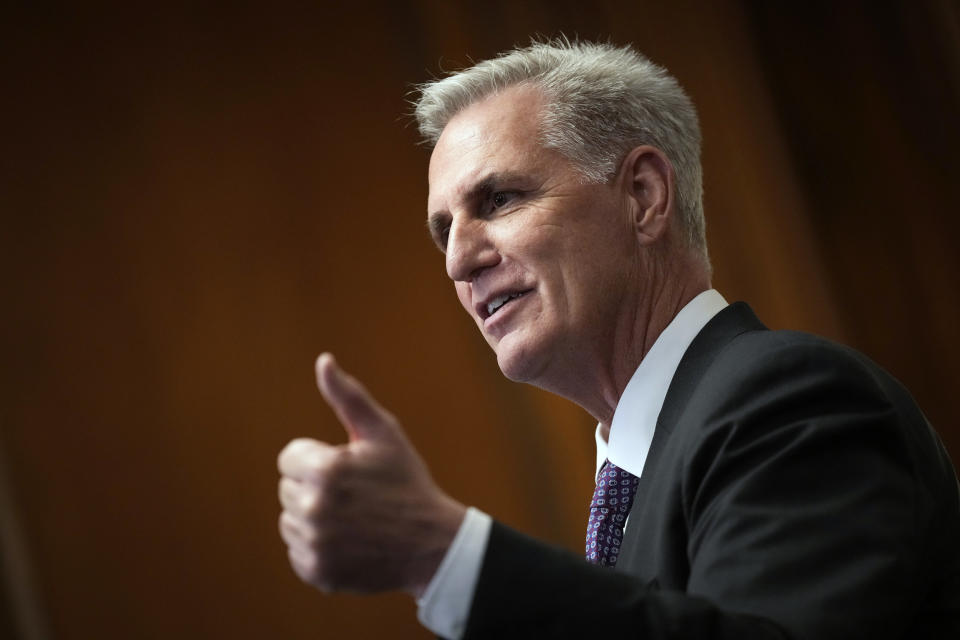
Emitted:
<point x="608" y="512"/>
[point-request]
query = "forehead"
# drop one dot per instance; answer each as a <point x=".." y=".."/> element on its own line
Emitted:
<point x="497" y="135"/>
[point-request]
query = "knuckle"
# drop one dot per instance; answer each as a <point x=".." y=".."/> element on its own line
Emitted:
<point x="290" y="526"/>
<point x="304" y="563"/>
<point x="318" y="474"/>
<point x="330" y="470"/>
<point x="293" y="447"/>
<point x="311" y="502"/>
<point x="320" y="506"/>
<point x="300" y="533"/>
<point x="290" y="495"/>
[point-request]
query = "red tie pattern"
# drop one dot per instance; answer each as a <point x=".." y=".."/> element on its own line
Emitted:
<point x="609" y="507"/>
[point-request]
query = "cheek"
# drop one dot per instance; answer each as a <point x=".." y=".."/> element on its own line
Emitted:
<point x="463" y="293"/>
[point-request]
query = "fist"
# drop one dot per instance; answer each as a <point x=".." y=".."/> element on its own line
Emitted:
<point x="363" y="516"/>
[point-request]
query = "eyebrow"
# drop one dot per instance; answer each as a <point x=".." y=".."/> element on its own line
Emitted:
<point x="435" y="224"/>
<point x="484" y="185"/>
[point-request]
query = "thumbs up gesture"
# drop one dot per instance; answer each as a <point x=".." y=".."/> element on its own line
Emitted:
<point x="366" y="515"/>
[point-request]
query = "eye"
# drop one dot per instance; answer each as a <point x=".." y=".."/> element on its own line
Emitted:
<point x="500" y="198"/>
<point x="439" y="227"/>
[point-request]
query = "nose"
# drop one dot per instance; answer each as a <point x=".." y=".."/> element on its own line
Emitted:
<point x="470" y="250"/>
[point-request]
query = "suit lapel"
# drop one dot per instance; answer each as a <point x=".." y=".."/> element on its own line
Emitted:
<point x="733" y="321"/>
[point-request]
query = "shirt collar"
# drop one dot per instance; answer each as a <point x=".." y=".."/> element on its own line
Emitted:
<point x="635" y="418"/>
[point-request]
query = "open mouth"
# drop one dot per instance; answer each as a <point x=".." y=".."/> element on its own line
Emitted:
<point x="498" y="303"/>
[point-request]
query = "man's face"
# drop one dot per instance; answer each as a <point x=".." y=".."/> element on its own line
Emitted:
<point x="539" y="259"/>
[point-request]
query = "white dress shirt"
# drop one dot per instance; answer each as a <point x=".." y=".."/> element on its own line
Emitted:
<point x="445" y="604"/>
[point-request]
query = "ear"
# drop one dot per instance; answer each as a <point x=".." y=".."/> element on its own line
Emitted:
<point x="648" y="180"/>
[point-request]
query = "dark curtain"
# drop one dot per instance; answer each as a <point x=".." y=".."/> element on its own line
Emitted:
<point x="198" y="200"/>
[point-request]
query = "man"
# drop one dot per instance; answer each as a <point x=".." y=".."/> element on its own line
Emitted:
<point x="776" y="485"/>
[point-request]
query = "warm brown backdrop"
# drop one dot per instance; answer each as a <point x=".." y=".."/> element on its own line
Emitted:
<point x="196" y="201"/>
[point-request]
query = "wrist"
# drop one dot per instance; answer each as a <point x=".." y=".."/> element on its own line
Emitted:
<point x="437" y="538"/>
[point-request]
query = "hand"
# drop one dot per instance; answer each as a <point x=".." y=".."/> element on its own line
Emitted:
<point x="366" y="515"/>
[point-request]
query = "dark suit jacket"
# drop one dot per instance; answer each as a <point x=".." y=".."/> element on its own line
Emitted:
<point x="793" y="490"/>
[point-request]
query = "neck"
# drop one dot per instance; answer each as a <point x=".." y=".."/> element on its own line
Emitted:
<point x="600" y="379"/>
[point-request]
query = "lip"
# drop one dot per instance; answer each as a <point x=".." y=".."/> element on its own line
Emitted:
<point x="490" y="321"/>
<point x="480" y="307"/>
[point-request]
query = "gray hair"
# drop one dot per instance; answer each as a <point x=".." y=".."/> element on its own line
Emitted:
<point x="601" y="102"/>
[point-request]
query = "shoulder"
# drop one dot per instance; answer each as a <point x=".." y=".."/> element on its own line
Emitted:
<point x="771" y="394"/>
<point x="735" y="357"/>
<point x="792" y="363"/>
<point x="771" y="347"/>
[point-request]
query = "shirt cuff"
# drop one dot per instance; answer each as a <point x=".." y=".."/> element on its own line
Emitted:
<point x="445" y="604"/>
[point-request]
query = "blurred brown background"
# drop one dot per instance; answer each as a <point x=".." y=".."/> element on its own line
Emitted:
<point x="197" y="200"/>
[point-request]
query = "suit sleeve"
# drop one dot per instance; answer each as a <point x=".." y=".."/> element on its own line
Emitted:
<point x="800" y="511"/>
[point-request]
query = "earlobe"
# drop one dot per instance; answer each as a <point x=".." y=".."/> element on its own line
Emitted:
<point x="648" y="177"/>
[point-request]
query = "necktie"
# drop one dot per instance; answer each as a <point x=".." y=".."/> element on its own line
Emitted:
<point x="609" y="507"/>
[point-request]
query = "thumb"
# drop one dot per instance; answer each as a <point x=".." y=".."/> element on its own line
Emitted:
<point x="361" y="415"/>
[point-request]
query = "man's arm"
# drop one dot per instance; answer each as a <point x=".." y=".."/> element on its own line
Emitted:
<point x="799" y="510"/>
<point x="797" y="501"/>
<point x="529" y="589"/>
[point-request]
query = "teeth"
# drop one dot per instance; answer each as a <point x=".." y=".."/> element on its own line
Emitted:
<point x="499" y="301"/>
<point x="496" y="303"/>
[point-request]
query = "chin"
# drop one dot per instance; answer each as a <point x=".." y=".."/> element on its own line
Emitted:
<point x="511" y="371"/>
<point x="519" y="362"/>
